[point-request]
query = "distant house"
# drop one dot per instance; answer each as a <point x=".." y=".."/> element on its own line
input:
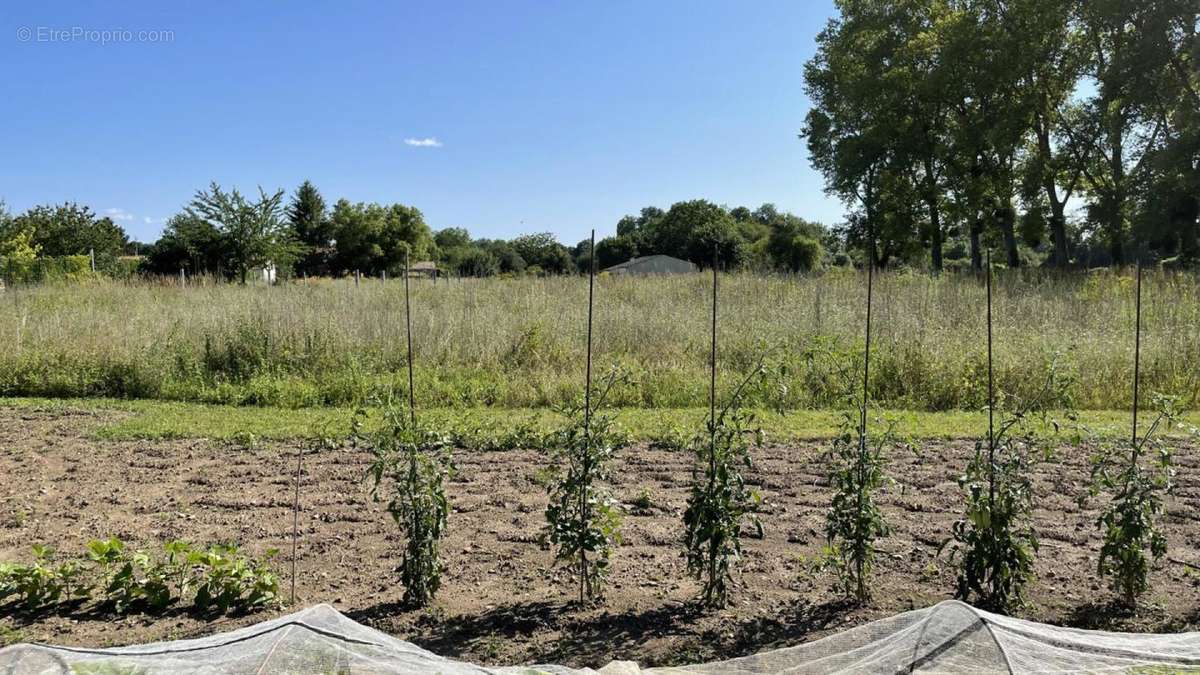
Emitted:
<point x="425" y="268"/>
<point x="265" y="273"/>
<point x="653" y="264"/>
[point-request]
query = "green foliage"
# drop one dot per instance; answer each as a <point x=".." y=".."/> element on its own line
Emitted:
<point x="372" y="238"/>
<point x="223" y="580"/>
<point x="229" y="581"/>
<point x="1136" y="475"/>
<point x="996" y="534"/>
<point x="582" y="519"/>
<point x="854" y="520"/>
<point x="190" y="243"/>
<point x="312" y="228"/>
<point x="253" y="233"/>
<point x="543" y="251"/>
<point x="409" y="468"/>
<point x="73" y="230"/>
<point x="18" y="254"/>
<point x="719" y="499"/>
<point x="42" y="583"/>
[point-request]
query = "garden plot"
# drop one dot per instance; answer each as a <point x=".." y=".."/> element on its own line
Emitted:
<point x="502" y="600"/>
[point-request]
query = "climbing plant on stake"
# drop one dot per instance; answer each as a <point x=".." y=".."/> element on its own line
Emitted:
<point x="720" y="500"/>
<point x="854" y="520"/>
<point x="582" y="519"/>
<point x="409" y="470"/>
<point x="1138" y="477"/>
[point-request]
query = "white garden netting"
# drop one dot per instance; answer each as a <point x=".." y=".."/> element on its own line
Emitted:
<point x="950" y="637"/>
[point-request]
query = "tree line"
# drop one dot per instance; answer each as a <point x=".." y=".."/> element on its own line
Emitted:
<point x="227" y="234"/>
<point x="1056" y="131"/>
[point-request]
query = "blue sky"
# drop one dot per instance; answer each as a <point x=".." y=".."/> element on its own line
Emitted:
<point x="549" y="116"/>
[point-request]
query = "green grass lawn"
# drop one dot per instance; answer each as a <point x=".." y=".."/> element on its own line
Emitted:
<point x="505" y="426"/>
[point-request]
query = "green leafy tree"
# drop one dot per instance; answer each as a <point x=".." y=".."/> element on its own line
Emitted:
<point x="253" y="233"/>
<point x="190" y="243"/>
<point x="374" y="239"/>
<point x="544" y="251"/>
<point x="73" y="230"/>
<point x="615" y="250"/>
<point x="793" y="244"/>
<point x="473" y="261"/>
<point x="312" y="228"/>
<point x="689" y="230"/>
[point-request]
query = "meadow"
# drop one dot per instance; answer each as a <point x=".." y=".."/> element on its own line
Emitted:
<point x="519" y="343"/>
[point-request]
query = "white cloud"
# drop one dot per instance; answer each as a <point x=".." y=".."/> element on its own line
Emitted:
<point x="431" y="142"/>
<point x="118" y="214"/>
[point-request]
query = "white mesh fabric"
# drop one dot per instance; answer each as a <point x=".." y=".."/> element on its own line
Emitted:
<point x="950" y="637"/>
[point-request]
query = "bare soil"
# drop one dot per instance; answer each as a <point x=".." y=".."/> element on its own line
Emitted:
<point x="503" y="601"/>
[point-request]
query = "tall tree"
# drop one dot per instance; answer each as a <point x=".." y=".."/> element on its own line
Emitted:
<point x="72" y="229"/>
<point x="1131" y="65"/>
<point x="311" y="227"/>
<point x="253" y="233"/>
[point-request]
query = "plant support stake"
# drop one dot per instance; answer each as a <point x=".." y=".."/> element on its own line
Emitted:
<point x="1137" y="349"/>
<point x="587" y="412"/>
<point x="412" y="399"/>
<point x="991" y="392"/>
<point x="862" y="435"/>
<point x="296" y="519"/>
<point x="712" y="370"/>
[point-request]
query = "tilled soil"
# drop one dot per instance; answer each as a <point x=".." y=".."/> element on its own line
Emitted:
<point x="502" y="600"/>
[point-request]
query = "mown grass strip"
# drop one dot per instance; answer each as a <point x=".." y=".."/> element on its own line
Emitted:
<point x="501" y="427"/>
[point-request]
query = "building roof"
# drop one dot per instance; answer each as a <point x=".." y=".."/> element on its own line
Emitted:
<point x="647" y="258"/>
